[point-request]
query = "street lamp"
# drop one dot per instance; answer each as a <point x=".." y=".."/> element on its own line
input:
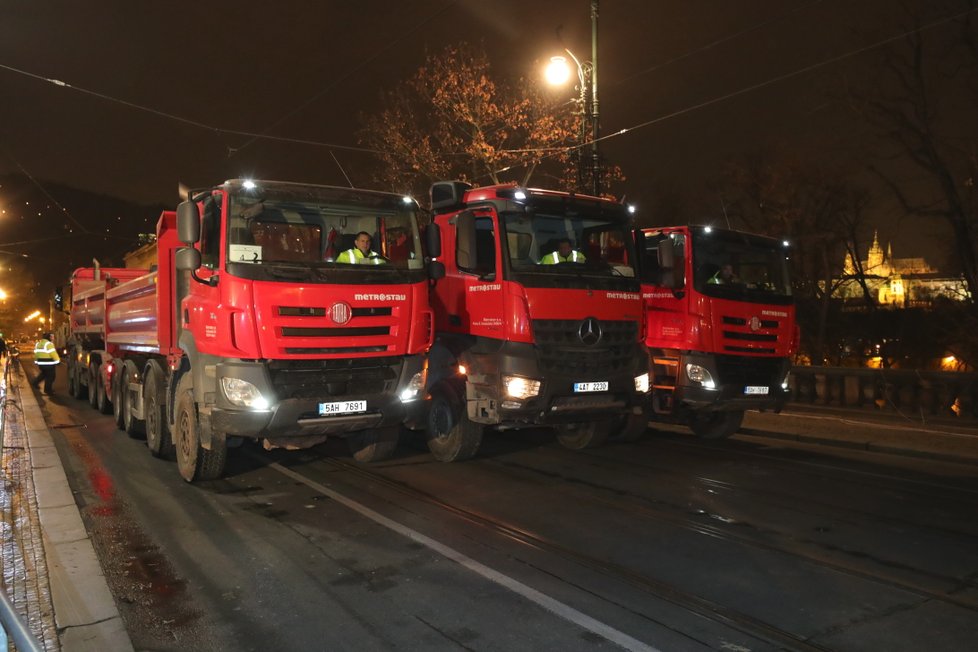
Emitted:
<point x="557" y="73"/>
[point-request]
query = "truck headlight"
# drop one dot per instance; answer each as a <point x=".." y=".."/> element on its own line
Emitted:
<point x="700" y="375"/>
<point x="521" y="388"/>
<point x="642" y="383"/>
<point x="784" y="383"/>
<point x="414" y="387"/>
<point x="243" y="394"/>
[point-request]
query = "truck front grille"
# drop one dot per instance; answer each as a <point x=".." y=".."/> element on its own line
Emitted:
<point x="334" y="378"/>
<point x="311" y="330"/>
<point x="745" y="370"/>
<point x="562" y="350"/>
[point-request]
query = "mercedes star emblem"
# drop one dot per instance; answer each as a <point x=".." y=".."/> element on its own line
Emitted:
<point x="590" y="331"/>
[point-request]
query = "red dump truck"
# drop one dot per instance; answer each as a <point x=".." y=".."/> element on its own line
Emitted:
<point x="720" y="325"/>
<point x="252" y="326"/>
<point x="538" y="318"/>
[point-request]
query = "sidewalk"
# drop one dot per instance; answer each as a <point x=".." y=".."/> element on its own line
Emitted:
<point x="940" y="438"/>
<point x="50" y="570"/>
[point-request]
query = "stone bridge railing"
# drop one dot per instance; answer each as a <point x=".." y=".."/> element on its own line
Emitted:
<point x="923" y="393"/>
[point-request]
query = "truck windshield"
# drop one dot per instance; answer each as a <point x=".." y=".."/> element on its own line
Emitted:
<point x="738" y="266"/>
<point x="569" y="242"/>
<point x="327" y="229"/>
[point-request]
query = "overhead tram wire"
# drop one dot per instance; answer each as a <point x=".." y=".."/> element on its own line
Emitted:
<point x="187" y="121"/>
<point x="347" y="74"/>
<point x="550" y="152"/>
<point x="81" y="227"/>
<point x="712" y="44"/>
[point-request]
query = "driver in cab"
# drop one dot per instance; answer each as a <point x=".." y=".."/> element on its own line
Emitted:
<point x="565" y="254"/>
<point x="361" y="252"/>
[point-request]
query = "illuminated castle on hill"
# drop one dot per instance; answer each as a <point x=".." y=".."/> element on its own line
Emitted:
<point x="897" y="282"/>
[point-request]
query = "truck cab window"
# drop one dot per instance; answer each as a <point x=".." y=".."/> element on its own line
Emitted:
<point x="210" y="232"/>
<point x="481" y="259"/>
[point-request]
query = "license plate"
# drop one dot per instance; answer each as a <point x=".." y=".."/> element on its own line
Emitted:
<point x="754" y="389"/>
<point x="342" y="407"/>
<point x="600" y="386"/>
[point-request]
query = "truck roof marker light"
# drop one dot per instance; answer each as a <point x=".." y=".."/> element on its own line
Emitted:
<point x="248" y="184"/>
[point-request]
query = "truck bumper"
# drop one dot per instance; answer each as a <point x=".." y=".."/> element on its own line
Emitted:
<point x="557" y="401"/>
<point x="734" y="377"/>
<point x="295" y="406"/>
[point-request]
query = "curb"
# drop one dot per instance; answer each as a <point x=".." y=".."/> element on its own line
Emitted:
<point x="85" y="612"/>
<point x="868" y="446"/>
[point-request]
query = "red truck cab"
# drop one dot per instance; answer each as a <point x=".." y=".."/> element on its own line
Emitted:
<point x="719" y="324"/>
<point x="530" y="330"/>
<point x="262" y="322"/>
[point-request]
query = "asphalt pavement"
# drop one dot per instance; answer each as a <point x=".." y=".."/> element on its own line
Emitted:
<point x="55" y="581"/>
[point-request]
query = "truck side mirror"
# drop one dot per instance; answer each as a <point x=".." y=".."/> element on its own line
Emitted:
<point x="436" y="270"/>
<point x="188" y="259"/>
<point x="432" y="236"/>
<point x="188" y="224"/>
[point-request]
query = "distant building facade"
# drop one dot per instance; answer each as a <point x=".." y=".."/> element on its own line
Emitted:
<point x="897" y="282"/>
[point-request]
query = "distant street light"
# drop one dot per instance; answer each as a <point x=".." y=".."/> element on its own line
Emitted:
<point x="557" y="73"/>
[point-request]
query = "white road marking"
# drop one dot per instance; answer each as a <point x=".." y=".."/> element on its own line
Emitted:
<point x="552" y="605"/>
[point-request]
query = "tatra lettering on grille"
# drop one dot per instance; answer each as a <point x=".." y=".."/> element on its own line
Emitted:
<point x="564" y="349"/>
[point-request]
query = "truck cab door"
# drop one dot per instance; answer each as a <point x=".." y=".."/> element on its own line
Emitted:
<point x="477" y="254"/>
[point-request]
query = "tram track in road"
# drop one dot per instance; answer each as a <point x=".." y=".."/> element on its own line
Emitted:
<point x="934" y="493"/>
<point x="722" y="447"/>
<point x="718" y="613"/>
<point x="732" y="532"/>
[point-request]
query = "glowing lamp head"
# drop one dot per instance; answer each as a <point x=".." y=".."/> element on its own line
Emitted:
<point x="558" y="71"/>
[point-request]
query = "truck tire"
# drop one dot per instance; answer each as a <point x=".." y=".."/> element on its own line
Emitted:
<point x="75" y="387"/>
<point x="134" y="427"/>
<point x="93" y="385"/>
<point x="452" y="437"/>
<point x="631" y="428"/>
<point x="154" y="407"/>
<point x="102" y="402"/>
<point x="193" y="460"/>
<point x="118" y="398"/>
<point x="716" y="425"/>
<point x="578" y="436"/>
<point x="375" y="445"/>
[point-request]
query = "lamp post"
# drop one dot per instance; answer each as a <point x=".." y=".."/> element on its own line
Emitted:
<point x="588" y="167"/>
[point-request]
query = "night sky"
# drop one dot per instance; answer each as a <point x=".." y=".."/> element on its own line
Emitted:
<point x="307" y="70"/>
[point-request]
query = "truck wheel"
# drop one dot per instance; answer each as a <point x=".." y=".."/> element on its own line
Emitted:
<point x="716" y="425"/>
<point x="134" y="427"/>
<point x="452" y="437"/>
<point x="154" y="405"/>
<point x="73" y="382"/>
<point x="118" y="398"/>
<point x="194" y="461"/>
<point x="93" y="386"/>
<point x="373" y="445"/>
<point x="578" y="436"/>
<point x="631" y="428"/>
<point x="102" y="402"/>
